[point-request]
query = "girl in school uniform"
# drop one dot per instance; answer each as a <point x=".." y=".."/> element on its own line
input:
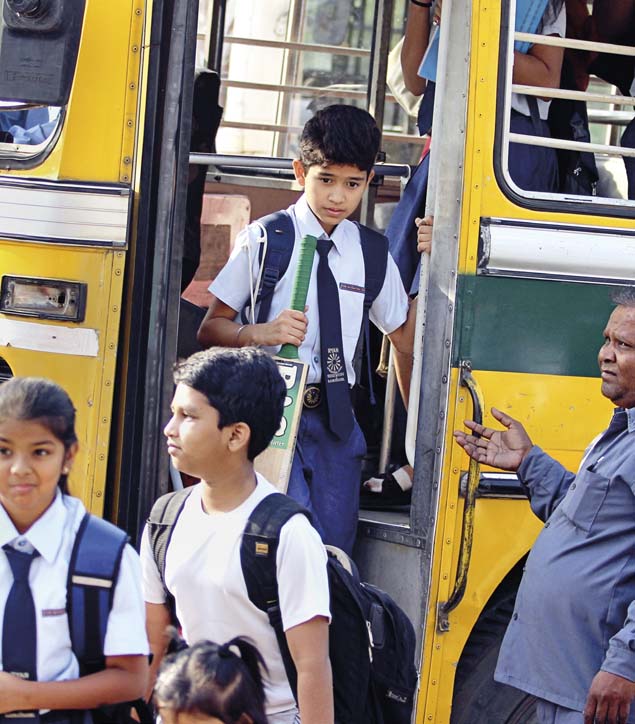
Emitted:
<point x="38" y="525"/>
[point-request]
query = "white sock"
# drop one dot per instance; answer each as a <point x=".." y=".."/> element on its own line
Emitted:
<point x="402" y="478"/>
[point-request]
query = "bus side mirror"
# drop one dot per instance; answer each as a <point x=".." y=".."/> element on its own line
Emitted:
<point x="39" y="42"/>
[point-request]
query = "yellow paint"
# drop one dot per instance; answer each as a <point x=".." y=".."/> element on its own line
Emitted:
<point x="88" y="380"/>
<point x="97" y="144"/>
<point x="556" y="412"/>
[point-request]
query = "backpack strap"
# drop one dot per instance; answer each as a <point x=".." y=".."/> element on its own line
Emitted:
<point x="280" y="240"/>
<point x="375" y="253"/>
<point x="92" y="576"/>
<point x="160" y="525"/>
<point x="258" y="550"/>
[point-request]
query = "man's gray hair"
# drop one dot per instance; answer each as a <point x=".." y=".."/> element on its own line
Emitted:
<point x="624" y="296"/>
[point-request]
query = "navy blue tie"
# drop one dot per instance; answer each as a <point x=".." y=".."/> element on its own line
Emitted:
<point x="19" y="628"/>
<point x="334" y="381"/>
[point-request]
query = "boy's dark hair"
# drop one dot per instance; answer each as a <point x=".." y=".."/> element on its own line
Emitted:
<point x="623" y="296"/>
<point x="43" y="401"/>
<point x="243" y="385"/>
<point x="340" y="134"/>
<point x="217" y="681"/>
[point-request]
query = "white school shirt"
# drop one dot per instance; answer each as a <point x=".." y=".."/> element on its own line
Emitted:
<point x="388" y="312"/>
<point x="519" y="102"/>
<point x="203" y="573"/>
<point x="53" y="536"/>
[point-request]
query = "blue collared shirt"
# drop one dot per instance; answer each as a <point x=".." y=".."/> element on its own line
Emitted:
<point x="575" y="609"/>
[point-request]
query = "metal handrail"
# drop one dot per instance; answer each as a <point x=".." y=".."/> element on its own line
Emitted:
<point x="284" y="128"/>
<point x="399" y="170"/>
<point x="308" y="47"/>
<point x="571" y="145"/>
<point x="533" y="90"/>
<point x="304" y="89"/>
<point x="575" y="44"/>
<point x="609" y="118"/>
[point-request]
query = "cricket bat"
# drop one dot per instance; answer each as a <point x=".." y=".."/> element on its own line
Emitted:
<point x="275" y="462"/>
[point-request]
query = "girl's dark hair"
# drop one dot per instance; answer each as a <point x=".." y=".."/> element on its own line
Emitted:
<point x="217" y="681"/>
<point x="41" y="400"/>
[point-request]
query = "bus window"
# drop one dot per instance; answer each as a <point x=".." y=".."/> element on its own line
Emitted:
<point x="26" y="130"/>
<point x="281" y="61"/>
<point x="39" y="43"/>
<point x="559" y="124"/>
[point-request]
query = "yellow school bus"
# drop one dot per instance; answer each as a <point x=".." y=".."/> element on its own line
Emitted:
<point x="96" y="121"/>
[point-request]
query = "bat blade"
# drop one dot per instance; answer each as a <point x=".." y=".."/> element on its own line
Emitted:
<point x="275" y="462"/>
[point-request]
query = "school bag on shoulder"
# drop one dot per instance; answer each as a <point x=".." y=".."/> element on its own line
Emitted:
<point x="371" y="640"/>
<point x="568" y="119"/>
<point x="280" y="240"/>
<point x="92" y="576"/>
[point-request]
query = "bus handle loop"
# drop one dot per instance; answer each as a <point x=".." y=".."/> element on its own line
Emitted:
<point x="467" y="530"/>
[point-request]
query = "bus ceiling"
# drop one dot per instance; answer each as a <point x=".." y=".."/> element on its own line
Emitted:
<point x="38" y="50"/>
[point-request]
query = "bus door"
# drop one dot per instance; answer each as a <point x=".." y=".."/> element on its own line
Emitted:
<point x="517" y="296"/>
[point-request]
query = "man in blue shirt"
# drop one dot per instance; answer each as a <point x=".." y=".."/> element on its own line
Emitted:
<point x="571" y="638"/>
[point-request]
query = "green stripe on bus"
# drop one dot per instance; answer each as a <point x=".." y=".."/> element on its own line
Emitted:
<point x="530" y="325"/>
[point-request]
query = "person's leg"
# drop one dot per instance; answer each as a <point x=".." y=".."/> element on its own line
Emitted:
<point x="326" y="478"/>
<point x="628" y="141"/>
<point x="549" y="713"/>
<point x="300" y="479"/>
<point x="401" y="231"/>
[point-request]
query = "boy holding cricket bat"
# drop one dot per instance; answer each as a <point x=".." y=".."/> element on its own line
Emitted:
<point x="338" y="148"/>
<point x="226" y="407"/>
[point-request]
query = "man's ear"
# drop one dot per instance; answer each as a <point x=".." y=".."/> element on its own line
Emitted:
<point x="245" y="719"/>
<point x="299" y="171"/>
<point x="239" y="437"/>
<point x="371" y="176"/>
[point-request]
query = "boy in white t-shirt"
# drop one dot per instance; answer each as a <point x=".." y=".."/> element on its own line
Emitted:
<point x="227" y="405"/>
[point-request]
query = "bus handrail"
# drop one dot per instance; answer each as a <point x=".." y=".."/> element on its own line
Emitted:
<point x="582" y="146"/>
<point x="533" y="90"/>
<point x="284" y="127"/>
<point x="574" y="44"/>
<point x="309" y="47"/>
<point x="336" y="92"/>
<point x="400" y="170"/>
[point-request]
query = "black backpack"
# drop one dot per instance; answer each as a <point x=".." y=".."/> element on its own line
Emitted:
<point x="568" y="120"/>
<point x="371" y="640"/>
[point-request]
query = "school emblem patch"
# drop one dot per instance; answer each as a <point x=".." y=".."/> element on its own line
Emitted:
<point x="334" y="361"/>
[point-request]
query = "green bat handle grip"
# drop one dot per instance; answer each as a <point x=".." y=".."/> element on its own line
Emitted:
<point x="300" y="288"/>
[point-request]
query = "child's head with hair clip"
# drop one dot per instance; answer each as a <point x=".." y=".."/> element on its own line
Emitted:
<point x="212" y="684"/>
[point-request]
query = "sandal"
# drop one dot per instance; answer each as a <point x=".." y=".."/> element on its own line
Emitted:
<point x="385" y="492"/>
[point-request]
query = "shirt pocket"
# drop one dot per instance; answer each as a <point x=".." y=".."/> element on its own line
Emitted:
<point x="584" y="499"/>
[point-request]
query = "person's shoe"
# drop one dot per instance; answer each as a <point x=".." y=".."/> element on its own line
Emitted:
<point x="385" y="492"/>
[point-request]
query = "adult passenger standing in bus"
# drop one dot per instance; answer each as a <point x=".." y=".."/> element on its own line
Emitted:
<point x="615" y="23"/>
<point x="571" y="638"/>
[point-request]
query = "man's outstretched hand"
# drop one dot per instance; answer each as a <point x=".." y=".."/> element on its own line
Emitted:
<point x="504" y="449"/>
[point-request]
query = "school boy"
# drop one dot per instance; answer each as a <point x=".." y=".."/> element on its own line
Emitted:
<point x="338" y="148"/>
<point x="226" y="408"/>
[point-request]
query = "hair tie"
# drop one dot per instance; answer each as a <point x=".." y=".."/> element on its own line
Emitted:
<point x="225" y="651"/>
